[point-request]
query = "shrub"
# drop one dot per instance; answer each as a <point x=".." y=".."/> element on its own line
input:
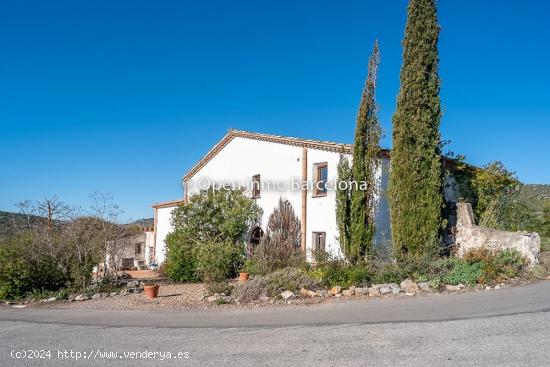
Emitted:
<point x="497" y="266"/>
<point x="331" y="271"/>
<point x="280" y="247"/>
<point x="219" y="288"/>
<point x="273" y="284"/>
<point x="220" y="216"/>
<point x="180" y="262"/>
<point x="464" y="272"/>
<point x="251" y="290"/>
<point x="216" y="262"/>
<point x="21" y="274"/>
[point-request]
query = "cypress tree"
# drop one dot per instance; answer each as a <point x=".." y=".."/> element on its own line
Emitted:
<point x="365" y="163"/>
<point x="343" y="204"/>
<point x="416" y="173"/>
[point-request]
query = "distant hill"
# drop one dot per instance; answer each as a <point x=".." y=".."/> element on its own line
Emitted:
<point x="535" y="196"/>
<point x="9" y="221"/>
<point x="145" y="222"/>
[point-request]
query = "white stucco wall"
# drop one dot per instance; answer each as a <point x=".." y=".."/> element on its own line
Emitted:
<point x="243" y="158"/>
<point x="163" y="228"/>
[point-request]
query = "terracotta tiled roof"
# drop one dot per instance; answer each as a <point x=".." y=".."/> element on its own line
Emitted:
<point x="297" y="142"/>
<point x="167" y="204"/>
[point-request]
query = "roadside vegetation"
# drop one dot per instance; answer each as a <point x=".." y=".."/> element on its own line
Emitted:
<point x="52" y="248"/>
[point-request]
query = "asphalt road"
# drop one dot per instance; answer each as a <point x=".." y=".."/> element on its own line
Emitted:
<point x="509" y="327"/>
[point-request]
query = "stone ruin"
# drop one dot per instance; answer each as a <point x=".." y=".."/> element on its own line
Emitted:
<point x="469" y="236"/>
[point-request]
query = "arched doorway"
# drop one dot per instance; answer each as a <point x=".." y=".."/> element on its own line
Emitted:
<point x="255" y="236"/>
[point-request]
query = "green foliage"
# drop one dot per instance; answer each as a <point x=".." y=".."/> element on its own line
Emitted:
<point x="21" y="273"/>
<point x="216" y="262"/>
<point x="489" y="185"/>
<point x="220" y="216"/>
<point x="497" y="266"/>
<point x="331" y="271"/>
<point x="463" y="272"/>
<point x="343" y="206"/>
<point x="415" y="188"/>
<point x="364" y="167"/>
<point x="180" y="264"/>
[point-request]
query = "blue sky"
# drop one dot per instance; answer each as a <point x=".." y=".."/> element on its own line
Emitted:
<point x="124" y="97"/>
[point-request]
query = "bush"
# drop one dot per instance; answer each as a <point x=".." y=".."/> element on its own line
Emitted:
<point x="332" y="271"/>
<point x="21" y="274"/>
<point x="219" y="288"/>
<point x="251" y="290"/>
<point x="273" y="284"/>
<point x="216" y="262"/>
<point x="210" y="216"/>
<point x="464" y="272"/>
<point x="497" y="266"/>
<point x="180" y="264"/>
<point x="280" y="247"/>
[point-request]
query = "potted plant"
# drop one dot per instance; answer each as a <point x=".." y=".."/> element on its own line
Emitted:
<point x="244" y="273"/>
<point x="151" y="290"/>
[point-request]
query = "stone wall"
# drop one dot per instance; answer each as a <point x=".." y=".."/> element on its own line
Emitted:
<point x="469" y="236"/>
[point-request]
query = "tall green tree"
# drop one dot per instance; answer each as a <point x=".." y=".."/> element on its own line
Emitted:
<point x="416" y="174"/>
<point x="343" y="204"/>
<point x="364" y="167"/>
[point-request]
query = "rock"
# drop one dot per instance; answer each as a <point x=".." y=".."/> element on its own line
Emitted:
<point x="361" y="291"/>
<point x="396" y="290"/>
<point x="96" y="296"/>
<point x="113" y="294"/>
<point x="408" y="286"/>
<point x="336" y="290"/>
<point x="352" y="289"/>
<point x="385" y="290"/>
<point x="497" y="287"/>
<point x="461" y="286"/>
<point x="378" y="286"/>
<point x="323" y="293"/>
<point x="19" y="306"/>
<point x="339" y="295"/>
<point x="374" y="292"/>
<point x="425" y="286"/>
<point x="487" y="288"/>
<point x="286" y="295"/>
<point x="453" y="288"/>
<point x="304" y="292"/>
<point x="312" y="294"/>
<point x="409" y="294"/>
<point x="80" y="298"/>
<point x="51" y="299"/>
<point x="348" y="293"/>
<point x="104" y="295"/>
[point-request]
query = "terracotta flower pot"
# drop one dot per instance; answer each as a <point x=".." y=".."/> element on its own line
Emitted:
<point x="151" y="291"/>
<point x="243" y="276"/>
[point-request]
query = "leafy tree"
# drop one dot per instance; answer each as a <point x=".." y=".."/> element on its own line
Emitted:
<point x="220" y="215"/>
<point x="364" y="167"/>
<point x="416" y="174"/>
<point x="489" y="186"/>
<point x="343" y="205"/>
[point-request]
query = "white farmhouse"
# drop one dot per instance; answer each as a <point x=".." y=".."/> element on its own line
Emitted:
<point x="270" y="167"/>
